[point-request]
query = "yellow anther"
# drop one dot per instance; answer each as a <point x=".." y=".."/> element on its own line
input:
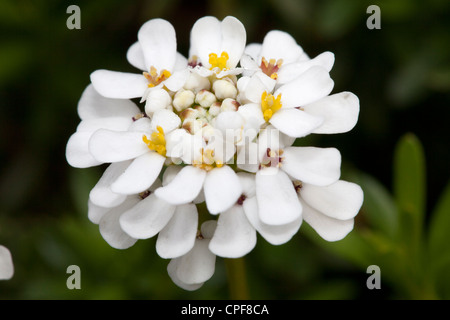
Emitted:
<point x="270" y="105"/>
<point x="154" y="79"/>
<point x="157" y="141"/>
<point x="207" y="162"/>
<point x="218" y="62"/>
<point x="271" y="68"/>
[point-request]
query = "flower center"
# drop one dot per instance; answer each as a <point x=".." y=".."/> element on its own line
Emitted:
<point x="218" y="62"/>
<point x="270" y="68"/>
<point x="207" y="161"/>
<point x="272" y="158"/>
<point x="270" y="105"/>
<point x="157" y="141"/>
<point x="154" y="79"/>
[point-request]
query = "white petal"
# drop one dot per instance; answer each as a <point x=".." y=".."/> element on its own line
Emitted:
<point x="222" y="189"/>
<point x="328" y="228"/>
<point x="95" y="213"/>
<point x="234" y="38"/>
<point x="310" y="86"/>
<point x="169" y="174"/>
<point x="248" y="184"/>
<point x="110" y="228"/>
<point x="341" y="200"/>
<point x="113" y="146"/>
<point x="184" y="187"/>
<point x="340" y="112"/>
<point x="247" y="157"/>
<point x="147" y="218"/>
<point x="174" y="144"/>
<point x="255" y="87"/>
<point x="208" y="228"/>
<point x="280" y="45"/>
<point x="102" y="195"/>
<point x="159" y="45"/>
<point x="291" y="71"/>
<point x="295" y="123"/>
<point x="172" y="268"/>
<point x="249" y="64"/>
<point x="181" y="62"/>
<point x="234" y="236"/>
<point x="198" y="265"/>
<point x="92" y="105"/>
<point x="253" y="50"/>
<point x="275" y="235"/>
<point x="166" y="119"/>
<point x="192" y="146"/>
<point x="252" y="114"/>
<point x="135" y="56"/>
<point x="6" y="264"/>
<point x="317" y="166"/>
<point x="119" y="85"/>
<point x="206" y="39"/>
<point x="277" y="200"/>
<point x="77" y="151"/>
<point x="143" y="124"/>
<point x="177" y="80"/>
<point x="110" y="123"/>
<point x="140" y="174"/>
<point x="178" y="236"/>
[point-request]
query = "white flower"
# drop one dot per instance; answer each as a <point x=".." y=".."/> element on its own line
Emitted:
<point x="147" y="143"/>
<point x="302" y="106"/>
<point x="217" y="46"/>
<point x="280" y="58"/>
<point x="194" y="268"/>
<point x="277" y="200"/>
<point x="156" y="54"/>
<point x="6" y="264"/>
<point x="330" y="210"/>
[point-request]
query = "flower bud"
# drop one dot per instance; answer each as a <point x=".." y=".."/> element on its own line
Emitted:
<point x="183" y="99"/>
<point x="205" y="98"/>
<point x="224" y="89"/>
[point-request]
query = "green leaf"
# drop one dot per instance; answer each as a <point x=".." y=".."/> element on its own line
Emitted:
<point x="409" y="190"/>
<point x="379" y="208"/>
<point x="439" y="227"/>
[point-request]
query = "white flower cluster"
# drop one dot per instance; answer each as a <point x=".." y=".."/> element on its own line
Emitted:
<point x="217" y="128"/>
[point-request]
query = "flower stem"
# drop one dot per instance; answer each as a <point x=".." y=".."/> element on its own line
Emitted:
<point x="237" y="281"/>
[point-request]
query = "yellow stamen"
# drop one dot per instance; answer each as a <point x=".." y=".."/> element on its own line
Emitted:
<point x="270" y="105"/>
<point x="157" y="141"/>
<point x="154" y="79"/>
<point x="218" y="62"/>
<point x="207" y="161"/>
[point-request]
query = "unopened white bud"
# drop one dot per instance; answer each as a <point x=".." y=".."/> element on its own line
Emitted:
<point x="196" y="83"/>
<point x="183" y="99"/>
<point x="214" y="110"/>
<point x="224" y="89"/>
<point x="157" y="99"/>
<point x="205" y="98"/>
<point x="229" y="105"/>
<point x="192" y="125"/>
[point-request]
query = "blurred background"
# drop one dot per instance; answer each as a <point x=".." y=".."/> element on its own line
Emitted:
<point x="398" y="152"/>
